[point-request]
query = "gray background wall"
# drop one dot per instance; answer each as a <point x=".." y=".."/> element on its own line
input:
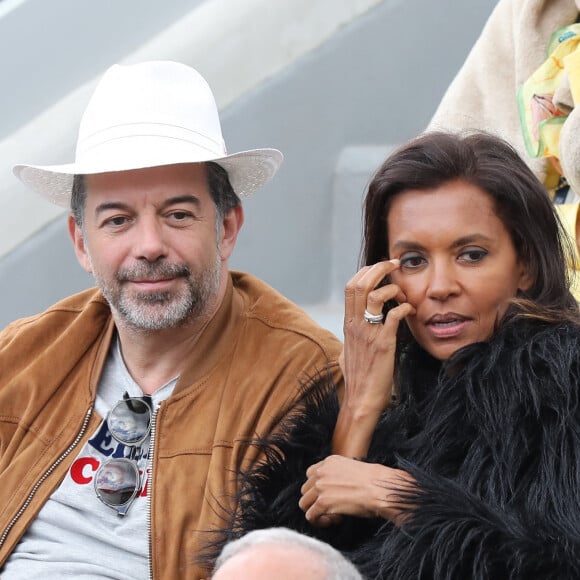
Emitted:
<point x="334" y="113"/>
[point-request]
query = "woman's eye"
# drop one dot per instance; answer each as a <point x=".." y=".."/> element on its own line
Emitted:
<point x="411" y="261"/>
<point x="472" y="255"/>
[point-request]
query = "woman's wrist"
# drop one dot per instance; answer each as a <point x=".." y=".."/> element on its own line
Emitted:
<point x="360" y="413"/>
<point x="388" y="489"/>
<point x="353" y="433"/>
<point x="372" y="400"/>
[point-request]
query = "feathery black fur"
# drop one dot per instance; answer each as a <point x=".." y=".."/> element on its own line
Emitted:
<point x="493" y="440"/>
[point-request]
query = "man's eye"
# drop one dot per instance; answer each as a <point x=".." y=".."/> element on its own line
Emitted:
<point x="180" y="217"/>
<point x="117" y="220"/>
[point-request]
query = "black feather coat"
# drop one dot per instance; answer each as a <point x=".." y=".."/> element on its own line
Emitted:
<point x="493" y="440"/>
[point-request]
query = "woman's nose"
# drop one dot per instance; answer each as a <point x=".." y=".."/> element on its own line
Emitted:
<point x="443" y="282"/>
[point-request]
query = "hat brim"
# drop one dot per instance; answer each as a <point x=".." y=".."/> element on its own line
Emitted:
<point x="248" y="171"/>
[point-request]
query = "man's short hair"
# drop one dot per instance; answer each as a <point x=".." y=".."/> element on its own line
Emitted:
<point x="220" y="189"/>
<point x="337" y="566"/>
<point x="218" y="182"/>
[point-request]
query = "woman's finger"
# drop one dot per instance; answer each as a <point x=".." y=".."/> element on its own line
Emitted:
<point x="326" y="520"/>
<point x="376" y="298"/>
<point x="363" y="282"/>
<point x="307" y="499"/>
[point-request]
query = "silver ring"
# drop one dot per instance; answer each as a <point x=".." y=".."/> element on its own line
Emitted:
<point x="373" y="318"/>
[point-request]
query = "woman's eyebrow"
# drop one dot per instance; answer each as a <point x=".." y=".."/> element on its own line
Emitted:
<point x="471" y="239"/>
<point x="462" y="241"/>
<point x="407" y="245"/>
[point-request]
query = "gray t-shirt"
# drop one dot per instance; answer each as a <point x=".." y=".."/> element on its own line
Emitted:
<point x="75" y="534"/>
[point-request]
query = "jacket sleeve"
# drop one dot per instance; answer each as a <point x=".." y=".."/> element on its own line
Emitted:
<point x="8" y="424"/>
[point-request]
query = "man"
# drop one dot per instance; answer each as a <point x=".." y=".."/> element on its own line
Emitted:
<point x="125" y="412"/>
<point x="282" y="554"/>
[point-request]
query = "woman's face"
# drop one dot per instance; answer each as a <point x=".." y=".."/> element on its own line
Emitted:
<point x="459" y="267"/>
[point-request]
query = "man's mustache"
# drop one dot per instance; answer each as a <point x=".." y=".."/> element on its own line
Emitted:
<point x="152" y="272"/>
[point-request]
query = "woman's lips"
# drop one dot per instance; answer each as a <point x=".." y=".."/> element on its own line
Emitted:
<point x="447" y="325"/>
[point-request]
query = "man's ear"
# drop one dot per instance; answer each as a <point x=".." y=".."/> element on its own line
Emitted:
<point x="231" y="226"/>
<point x="78" y="240"/>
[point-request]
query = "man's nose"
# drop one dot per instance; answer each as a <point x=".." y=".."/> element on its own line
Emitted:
<point x="150" y="243"/>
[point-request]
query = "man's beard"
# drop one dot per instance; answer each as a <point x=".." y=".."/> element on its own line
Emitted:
<point x="162" y="309"/>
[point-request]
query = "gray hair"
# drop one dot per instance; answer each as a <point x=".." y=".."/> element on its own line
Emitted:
<point x="218" y="182"/>
<point x="337" y="566"/>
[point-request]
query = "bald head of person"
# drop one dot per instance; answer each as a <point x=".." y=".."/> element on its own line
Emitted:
<point x="282" y="554"/>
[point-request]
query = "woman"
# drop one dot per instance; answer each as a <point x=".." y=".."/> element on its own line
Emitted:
<point x="455" y="449"/>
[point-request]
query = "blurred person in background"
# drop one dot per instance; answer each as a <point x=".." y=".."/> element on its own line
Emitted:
<point x="282" y="554"/>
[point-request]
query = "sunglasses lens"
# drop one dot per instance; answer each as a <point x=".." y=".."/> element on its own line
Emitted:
<point x="129" y="421"/>
<point x="117" y="482"/>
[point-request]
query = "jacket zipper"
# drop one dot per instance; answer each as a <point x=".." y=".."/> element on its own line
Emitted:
<point x="150" y="489"/>
<point x="45" y="476"/>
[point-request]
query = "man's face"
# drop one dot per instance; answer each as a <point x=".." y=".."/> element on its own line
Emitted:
<point x="151" y="241"/>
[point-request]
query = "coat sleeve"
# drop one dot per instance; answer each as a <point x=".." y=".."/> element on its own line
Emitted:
<point x="455" y="534"/>
<point x="472" y="99"/>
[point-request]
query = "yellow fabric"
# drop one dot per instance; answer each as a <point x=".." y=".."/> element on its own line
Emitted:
<point x="540" y="118"/>
<point x="572" y="65"/>
<point x="568" y="213"/>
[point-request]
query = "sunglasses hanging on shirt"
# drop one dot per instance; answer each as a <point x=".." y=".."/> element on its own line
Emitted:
<point x="118" y="481"/>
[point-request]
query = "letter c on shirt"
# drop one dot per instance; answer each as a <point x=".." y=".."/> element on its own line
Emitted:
<point x="77" y="469"/>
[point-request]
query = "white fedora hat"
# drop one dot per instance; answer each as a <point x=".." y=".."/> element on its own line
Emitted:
<point x="145" y="115"/>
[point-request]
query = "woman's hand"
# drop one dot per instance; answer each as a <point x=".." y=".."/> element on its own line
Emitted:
<point x="368" y="359"/>
<point x="340" y="486"/>
<point x="369" y="351"/>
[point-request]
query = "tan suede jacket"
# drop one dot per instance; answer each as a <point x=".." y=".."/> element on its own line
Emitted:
<point x="244" y="371"/>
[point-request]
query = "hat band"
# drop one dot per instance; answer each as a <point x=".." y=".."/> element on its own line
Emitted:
<point x="103" y="137"/>
<point x="138" y="151"/>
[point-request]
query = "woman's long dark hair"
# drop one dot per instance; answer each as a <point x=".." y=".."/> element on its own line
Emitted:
<point x="521" y="202"/>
